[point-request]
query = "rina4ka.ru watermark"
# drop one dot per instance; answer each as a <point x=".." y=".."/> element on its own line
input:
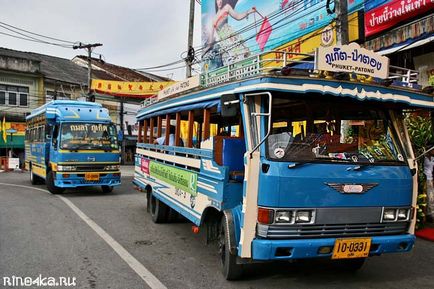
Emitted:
<point x="39" y="281"/>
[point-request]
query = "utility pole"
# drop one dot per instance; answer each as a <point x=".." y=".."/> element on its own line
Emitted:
<point x="341" y="7"/>
<point x="190" y="51"/>
<point x="89" y="62"/>
<point x="121" y="119"/>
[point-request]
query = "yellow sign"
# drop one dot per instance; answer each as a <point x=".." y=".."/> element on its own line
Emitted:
<point x="307" y="44"/>
<point x="130" y="89"/>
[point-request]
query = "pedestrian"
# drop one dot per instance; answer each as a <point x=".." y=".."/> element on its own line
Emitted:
<point x="428" y="167"/>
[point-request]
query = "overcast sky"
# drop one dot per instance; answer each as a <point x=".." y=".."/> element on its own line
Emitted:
<point x="134" y="33"/>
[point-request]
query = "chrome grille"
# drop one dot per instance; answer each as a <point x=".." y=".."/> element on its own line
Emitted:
<point x="330" y="230"/>
<point x="90" y="168"/>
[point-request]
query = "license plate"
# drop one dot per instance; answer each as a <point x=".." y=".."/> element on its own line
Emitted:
<point x="91" y="177"/>
<point x="351" y="248"/>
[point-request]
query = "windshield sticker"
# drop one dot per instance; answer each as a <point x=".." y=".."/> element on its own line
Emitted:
<point x="279" y="153"/>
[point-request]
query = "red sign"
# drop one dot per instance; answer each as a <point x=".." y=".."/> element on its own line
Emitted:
<point x="144" y="166"/>
<point x="390" y="14"/>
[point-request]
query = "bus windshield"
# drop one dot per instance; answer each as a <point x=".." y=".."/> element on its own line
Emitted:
<point x="332" y="131"/>
<point x="88" y="136"/>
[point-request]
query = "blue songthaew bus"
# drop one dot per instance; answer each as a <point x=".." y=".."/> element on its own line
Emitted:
<point x="71" y="144"/>
<point x="289" y="162"/>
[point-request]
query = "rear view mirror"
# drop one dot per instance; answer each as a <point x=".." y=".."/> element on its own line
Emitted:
<point x="229" y="105"/>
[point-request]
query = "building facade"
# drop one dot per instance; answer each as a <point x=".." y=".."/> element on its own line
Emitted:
<point x="27" y="81"/>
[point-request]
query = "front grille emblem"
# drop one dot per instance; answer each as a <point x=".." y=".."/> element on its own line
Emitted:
<point x="91" y="159"/>
<point x="352" y="188"/>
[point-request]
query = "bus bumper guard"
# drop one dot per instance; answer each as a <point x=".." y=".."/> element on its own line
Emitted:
<point x="266" y="249"/>
<point x="74" y="180"/>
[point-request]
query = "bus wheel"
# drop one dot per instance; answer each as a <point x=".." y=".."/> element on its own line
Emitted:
<point x="50" y="184"/>
<point x="350" y="265"/>
<point x="230" y="269"/>
<point x="107" y="189"/>
<point x="33" y="178"/>
<point x="158" y="210"/>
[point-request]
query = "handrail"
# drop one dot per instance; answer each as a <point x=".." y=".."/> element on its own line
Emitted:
<point x="266" y="63"/>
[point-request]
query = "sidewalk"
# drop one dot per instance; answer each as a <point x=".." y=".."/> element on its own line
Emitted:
<point x="127" y="171"/>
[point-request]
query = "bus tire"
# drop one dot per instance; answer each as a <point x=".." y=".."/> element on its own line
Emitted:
<point x="230" y="269"/>
<point x="172" y="215"/>
<point x="107" y="189"/>
<point x="158" y="210"/>
<point x="50" y="184"/>
<point x="33" y="179"/>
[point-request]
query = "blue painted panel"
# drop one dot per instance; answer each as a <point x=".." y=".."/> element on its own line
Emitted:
<point x="304" y="186"/>
<point x="263" y="249"/>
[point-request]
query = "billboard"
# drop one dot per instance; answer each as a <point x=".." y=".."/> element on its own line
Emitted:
<point x="233" y="30"/>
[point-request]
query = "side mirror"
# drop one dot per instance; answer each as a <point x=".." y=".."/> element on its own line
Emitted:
<point x="54" y="144"/>
<point x="229" y="104"/>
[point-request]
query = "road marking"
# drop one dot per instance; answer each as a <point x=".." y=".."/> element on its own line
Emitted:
<point x="141" y="270"/>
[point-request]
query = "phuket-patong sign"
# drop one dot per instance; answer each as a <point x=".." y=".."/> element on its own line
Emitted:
<point x="352" y="58"/>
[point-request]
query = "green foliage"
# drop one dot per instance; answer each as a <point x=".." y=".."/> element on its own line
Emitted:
<point x="420" y="131"/>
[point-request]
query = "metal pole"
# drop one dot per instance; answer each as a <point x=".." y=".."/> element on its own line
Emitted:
<point x="89" y="69"/>
<point x="341" y="22"/>
<point x="190" y="57"/>
<point x="121" y="119"/>
<point x="89" y="63"/>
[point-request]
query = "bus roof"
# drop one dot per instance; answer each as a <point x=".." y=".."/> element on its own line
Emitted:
<point x="70" y="110"/>
<point x="276" y="71"/>
<point x="301" y="85"/>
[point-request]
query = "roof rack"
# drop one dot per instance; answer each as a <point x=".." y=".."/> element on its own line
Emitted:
<point x="276" y="62"/>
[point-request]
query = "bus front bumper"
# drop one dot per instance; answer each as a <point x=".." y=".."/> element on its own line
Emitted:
<point x="73" y="180"/>
<point x="266" y="249"/>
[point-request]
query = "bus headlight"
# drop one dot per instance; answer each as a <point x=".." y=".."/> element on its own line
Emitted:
<point x="111" y="168"/>
<point x="304" y="216"/>
<point x="61" y="168"/>
<point x="389" y="215"/>
<point x="283" y="217"/>
<point x="403" y="214"/>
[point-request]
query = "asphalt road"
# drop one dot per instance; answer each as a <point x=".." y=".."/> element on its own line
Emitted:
<point x="41" y="234"/>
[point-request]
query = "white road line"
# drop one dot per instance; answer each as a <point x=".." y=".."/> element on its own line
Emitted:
<point x="141" y="270"/>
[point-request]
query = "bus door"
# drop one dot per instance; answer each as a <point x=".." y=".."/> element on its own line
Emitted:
<point x="256" y="110"/>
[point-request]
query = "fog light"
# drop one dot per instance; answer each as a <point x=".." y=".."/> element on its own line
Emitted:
<point x="389" y="215"/>
<point x="303" y="216"/>
<point x="324" y="250"/>
<point x="283" y="217"/>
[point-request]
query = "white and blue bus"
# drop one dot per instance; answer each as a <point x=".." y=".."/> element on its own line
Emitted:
<point x="71" y="144"/>
<point x="281" y="163"/>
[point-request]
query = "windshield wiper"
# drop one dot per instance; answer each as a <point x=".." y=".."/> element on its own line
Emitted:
<point x="77" y="146"/>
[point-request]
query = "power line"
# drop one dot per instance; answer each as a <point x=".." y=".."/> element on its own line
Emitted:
<point x="41" y="35"/>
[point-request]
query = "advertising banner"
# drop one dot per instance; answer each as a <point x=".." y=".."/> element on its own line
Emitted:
<point x="180" y="179"/>
<point x="308" y="43"/>
<point x="390" y="14"/>
<point x="233" y="30"/>
<point x="352" y="58"/>
<point x="129" y="89"/>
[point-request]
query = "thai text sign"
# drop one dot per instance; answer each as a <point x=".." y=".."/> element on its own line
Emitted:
<point x="352" y="58"/>
<point x="180" y="179"/>
<point x="391" y="13"/>
<point x="179" y="86"/>
<point x="130" y="89"/>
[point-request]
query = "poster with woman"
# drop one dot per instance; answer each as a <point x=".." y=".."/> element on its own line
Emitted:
<point x="233" y="30"/>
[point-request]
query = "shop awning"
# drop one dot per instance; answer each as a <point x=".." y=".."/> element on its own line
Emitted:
<point x="411" y="43"/>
